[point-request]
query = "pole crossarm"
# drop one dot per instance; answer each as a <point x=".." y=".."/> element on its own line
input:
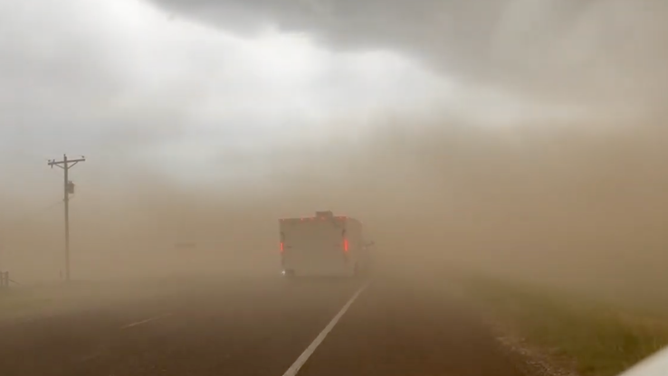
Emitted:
<point x="67" y="162"/>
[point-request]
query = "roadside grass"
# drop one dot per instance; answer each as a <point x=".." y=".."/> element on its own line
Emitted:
<point x="20" y="300"/>
<point x="601" y="339"/>
<point x="30" y="294"/>
<point x="15" y="301"/>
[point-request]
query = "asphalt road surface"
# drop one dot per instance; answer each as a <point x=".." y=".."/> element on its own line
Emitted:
<point x="260" y="327"/>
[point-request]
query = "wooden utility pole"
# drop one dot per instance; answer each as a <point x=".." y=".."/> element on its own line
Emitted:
<point x="66" y="164"/>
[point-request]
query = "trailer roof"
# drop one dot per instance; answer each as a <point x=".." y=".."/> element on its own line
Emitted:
<point x="313" y="218"/>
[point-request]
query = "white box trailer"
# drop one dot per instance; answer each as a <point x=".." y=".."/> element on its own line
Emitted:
<point x="323" y="245"/>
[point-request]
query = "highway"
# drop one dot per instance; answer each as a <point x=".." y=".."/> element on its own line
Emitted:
<point x="260" y="326"/>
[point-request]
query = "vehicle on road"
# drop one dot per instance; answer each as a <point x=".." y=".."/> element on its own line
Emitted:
<point x="323" y="245"/>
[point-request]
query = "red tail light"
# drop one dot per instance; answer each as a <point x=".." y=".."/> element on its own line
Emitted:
<point x="345" y="245"/>
<point x="282" y="248"/>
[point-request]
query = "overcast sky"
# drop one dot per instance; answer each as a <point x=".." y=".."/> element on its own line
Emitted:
<point x="126" y="79"/>
<point x="170" y="83"/>
<point x="596" y="51"/>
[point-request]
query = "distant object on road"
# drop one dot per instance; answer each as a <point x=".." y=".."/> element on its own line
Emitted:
<point x="323" y="245"/>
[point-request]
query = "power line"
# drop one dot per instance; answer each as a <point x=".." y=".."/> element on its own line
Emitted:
<point x="66" y="165"/>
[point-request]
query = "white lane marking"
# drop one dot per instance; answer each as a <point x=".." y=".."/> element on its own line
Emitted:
<point x="146" y="321"/>
<point x="297" y="365"/>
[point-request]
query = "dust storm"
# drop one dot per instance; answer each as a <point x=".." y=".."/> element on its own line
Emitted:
<point x="576" y="202"/>
<point x="569" y="205"/>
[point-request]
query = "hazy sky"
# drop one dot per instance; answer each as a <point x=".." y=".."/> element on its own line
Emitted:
<point x="129" y="81"/>
<point x="218" y="86"/>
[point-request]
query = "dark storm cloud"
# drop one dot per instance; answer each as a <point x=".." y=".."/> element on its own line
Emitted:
<point x="566" y="50"/>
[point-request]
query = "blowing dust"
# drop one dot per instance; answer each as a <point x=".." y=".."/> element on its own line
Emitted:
<point x="573" y="206"/>
<point x="572" y="203"/>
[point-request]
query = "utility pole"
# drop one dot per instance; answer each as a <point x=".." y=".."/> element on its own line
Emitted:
<point x="66" y="164"/>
